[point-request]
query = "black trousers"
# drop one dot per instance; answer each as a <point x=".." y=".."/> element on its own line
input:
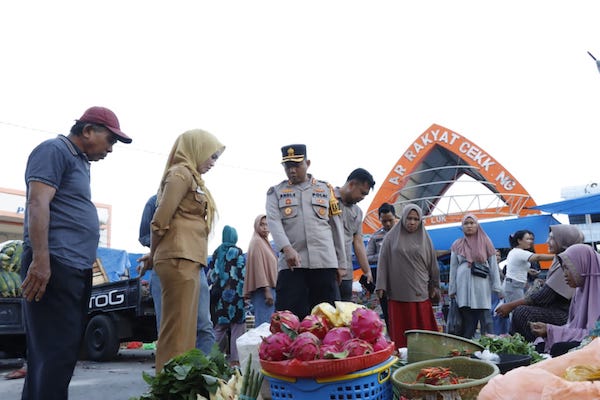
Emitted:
<point x="54" y="329"/>
<point x="346" y="290"/>
<point x="383" y="301"/>
<point x="302" y="289"/>
<point x="471" y="317"/>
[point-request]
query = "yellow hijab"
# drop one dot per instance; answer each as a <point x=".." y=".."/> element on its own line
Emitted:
<point x="191" y="149"/>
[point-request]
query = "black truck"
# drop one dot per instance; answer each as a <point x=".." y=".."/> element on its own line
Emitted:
<point x="121" y="311"/>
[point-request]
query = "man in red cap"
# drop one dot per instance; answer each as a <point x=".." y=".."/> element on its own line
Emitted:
<point x="61" y="232"/>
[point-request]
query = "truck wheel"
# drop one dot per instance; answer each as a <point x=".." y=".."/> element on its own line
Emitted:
<point x="100" y="341"/>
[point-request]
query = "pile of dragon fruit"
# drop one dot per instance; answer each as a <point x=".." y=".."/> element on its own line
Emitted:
<point x="315" y="337"/>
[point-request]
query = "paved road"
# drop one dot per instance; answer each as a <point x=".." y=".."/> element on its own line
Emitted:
<point x="116" y="380"/>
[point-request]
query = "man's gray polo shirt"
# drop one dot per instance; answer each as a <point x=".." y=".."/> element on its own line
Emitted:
<point x="74" y="228"/>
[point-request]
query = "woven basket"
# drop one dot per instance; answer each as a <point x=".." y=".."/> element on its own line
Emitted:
<point x="368" y="384"/>
<point x="477" y="372"/>
<point x="425" y="345"/>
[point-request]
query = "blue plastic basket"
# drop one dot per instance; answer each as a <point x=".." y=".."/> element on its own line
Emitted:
<point x="367" y="384"/>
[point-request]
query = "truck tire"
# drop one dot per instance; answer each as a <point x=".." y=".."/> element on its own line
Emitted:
<point x="100" y="341"/>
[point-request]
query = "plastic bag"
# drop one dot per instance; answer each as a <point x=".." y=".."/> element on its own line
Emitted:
<point x="248" y="344"/>
<point x="498" y="304"/>
<point x="455" y="322"/>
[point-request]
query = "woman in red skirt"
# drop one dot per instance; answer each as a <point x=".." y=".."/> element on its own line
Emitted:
<point x="408" y="273"/>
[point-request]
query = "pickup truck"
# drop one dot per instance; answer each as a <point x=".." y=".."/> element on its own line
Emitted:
<point x="120" y="311"/>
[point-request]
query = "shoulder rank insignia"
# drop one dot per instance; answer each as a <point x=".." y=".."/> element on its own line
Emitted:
<point x="271" y="190"/>
<point x="334" y="205"/>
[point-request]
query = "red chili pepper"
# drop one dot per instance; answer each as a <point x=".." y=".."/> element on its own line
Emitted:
<point x="437" y="376"/>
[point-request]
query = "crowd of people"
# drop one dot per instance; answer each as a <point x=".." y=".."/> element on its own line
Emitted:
<point x="315" y="227"/>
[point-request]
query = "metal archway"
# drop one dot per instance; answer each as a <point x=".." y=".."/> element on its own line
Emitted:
<point x="432" y="164"/>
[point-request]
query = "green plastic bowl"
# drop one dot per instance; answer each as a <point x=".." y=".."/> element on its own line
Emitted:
<point x="425" y="345"/>
<point x="478" y="373"/>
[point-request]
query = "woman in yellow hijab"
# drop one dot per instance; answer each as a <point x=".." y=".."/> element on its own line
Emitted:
<point x="183" y="219"/>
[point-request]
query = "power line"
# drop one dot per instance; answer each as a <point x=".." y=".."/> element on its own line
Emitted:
<point x="130" y="147"/>
<point x="26" y="127"/>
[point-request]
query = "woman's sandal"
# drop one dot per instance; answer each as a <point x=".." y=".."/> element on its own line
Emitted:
<point x="17" y="374"/>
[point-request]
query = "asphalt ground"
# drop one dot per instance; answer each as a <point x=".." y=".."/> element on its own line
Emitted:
<point x="119" y="379"/>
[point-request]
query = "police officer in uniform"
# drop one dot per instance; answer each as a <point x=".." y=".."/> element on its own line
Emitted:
<point x="306" y="225"/>
<point x="358" y="185"/>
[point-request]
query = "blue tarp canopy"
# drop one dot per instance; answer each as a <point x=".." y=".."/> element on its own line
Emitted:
<point x="498" y="231"/>
<point x="578" y="206"/>
<point x="115" y="262"/>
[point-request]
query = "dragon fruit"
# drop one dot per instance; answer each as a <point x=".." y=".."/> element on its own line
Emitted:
<point x="284" y="321"/>
<point x="330" y="351"/>
<point x="275" y="347"/>
<point x="305" y="347"/>
<point x="380" y="343"/>
<point x="314" y="324"/>
<point x="366" y="324"/>
<point x="338" y="336"/>
<point x="357" y="347"/>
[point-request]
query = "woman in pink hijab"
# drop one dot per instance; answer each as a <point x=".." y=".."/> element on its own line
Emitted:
<point x="474" y="274"/>
<point x="581" y="267"/>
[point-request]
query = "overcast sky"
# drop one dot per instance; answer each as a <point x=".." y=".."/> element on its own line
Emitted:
<point x="358" y="82"/>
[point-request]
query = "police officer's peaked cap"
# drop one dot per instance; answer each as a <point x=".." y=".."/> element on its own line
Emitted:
<point x="293" y="153"/>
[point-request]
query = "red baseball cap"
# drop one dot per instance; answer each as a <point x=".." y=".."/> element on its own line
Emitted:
<point x="105" y="117"/>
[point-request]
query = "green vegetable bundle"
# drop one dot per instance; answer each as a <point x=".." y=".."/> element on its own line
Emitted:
<point x="510" y="344"/>
<point x="251" y="383"/>
<point x="188" y="375"/>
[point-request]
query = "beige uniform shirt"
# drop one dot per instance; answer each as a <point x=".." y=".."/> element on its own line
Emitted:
<point x="298" y="215"/>
<point x="180" y="218"/>
<point x="352" y="216"/>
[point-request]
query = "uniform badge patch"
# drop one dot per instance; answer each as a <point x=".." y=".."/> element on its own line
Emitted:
<point x="287" y="211"/>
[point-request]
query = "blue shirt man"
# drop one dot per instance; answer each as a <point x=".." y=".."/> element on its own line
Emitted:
<point x="61" y="233"/>
<point x="205" y="335"/>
